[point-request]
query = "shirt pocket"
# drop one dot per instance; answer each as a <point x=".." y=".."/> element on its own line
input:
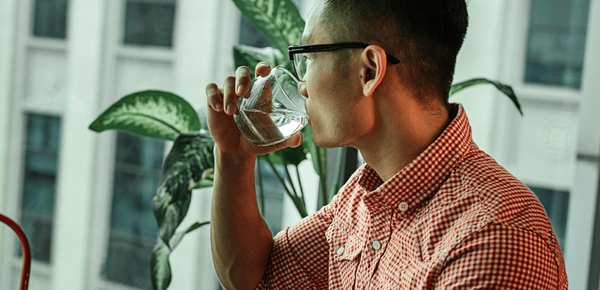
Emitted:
<point x="344" y="252"/>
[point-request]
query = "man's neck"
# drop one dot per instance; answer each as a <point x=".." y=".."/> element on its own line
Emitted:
<point x="401" y="135"/>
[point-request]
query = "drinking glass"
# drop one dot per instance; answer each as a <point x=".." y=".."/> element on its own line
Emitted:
<point x="273" y="110"/>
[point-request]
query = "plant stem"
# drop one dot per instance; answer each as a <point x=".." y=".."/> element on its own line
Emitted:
<point x="322" y="174"/>
<point x="301" y="209"/>
<point x="336" y="182"/>
<point x="262" y="192"/>
<point x="299" y="182"/>
<point x="301" y="190"/>
<point x="289" y="177"/>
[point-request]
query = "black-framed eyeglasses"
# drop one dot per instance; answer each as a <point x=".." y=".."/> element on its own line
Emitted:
<point x="298" y="56"/>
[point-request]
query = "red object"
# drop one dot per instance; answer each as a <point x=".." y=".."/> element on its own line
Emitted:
<point x="451" y="219"/>
<point x="26" y="250"/>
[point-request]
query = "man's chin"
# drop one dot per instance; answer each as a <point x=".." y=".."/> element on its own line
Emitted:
<point x="325" y="143"/>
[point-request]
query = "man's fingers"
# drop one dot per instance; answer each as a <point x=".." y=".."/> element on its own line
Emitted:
<point x="229" y="96"/>
<point x="242" y="80"/>
<point x="261" y="68"/>
<point x="295" y="140"/>
<point x="214" y="97"/>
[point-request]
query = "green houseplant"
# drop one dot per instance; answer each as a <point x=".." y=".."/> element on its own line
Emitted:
<point x="166" y="116"/>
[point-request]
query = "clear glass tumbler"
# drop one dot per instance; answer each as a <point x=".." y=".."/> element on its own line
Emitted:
<point x="273" y="110"/>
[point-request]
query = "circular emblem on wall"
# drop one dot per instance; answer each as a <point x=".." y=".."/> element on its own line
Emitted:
<point x="556" y="138"/>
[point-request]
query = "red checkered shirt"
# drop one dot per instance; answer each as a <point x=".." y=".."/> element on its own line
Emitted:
<point x="451" y="219"/>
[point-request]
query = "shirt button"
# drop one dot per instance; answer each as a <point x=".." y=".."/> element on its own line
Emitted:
<point x="376" y="245"/>
<point x="340" y="251"/>
<point x="403" y="206"/>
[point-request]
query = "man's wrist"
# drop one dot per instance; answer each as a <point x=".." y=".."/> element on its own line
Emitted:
<point x="233" y="161"/>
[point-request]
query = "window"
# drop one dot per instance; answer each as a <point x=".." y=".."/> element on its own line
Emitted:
<point x="556" y="42"/>
<point x="149" y="22"/>
<point x="39" y="184"/>
<point x="50" y="18"/>
<point x="133" y="229"/>
<point x="556" y="204"/>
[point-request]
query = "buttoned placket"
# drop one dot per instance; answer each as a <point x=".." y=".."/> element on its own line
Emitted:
<point x="377" y="239"/>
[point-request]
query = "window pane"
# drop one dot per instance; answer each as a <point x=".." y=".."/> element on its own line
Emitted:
<point x="556" y="42"/>
<point x="133" y="228"/>
<point x="149" y="22"/>
<point x="39" y="185"/>
<point x="556" y="204"/>
<point x="50" y="18"/>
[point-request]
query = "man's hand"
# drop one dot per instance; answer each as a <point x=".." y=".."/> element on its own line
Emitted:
<point x="221" y="107"/>
<point x="240" y="239"/>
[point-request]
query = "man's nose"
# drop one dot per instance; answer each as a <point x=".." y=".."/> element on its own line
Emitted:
<point x="302" y="89"/>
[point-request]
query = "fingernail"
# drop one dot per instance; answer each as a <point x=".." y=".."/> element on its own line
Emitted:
<point x="239" y="89"/>
<point x="263" y="64"/>
<point x="229" y="109"/>
<point x="218" y="107"/>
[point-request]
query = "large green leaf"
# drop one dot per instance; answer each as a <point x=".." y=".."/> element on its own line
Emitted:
<point x="159" y="261"/>
<point x="250" y="56"/>
<point x="505" y="89"/>
<point x="184" y="168"/>
<point x="279" y="20"/>
<point x="292" y="156"/>
<point x="160" y="268"/>
<point x="153" y="114"/>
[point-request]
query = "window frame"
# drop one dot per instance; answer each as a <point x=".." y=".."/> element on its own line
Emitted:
<point x="581" y="199"/>
<point x="31" y="24"/>
<point x="20" y="108"/>
<point x="516" y="35"/>
<point x="138" y="50"/>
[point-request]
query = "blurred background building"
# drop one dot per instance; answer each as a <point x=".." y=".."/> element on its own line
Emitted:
<point x="84" y="198"/>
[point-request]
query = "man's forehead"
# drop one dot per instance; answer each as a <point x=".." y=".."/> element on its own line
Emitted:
<point x="315" y="28"/>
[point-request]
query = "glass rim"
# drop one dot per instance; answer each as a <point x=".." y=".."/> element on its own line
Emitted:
<point x="290" y="74"/>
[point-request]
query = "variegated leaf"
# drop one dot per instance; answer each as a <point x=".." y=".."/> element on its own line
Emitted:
<point x="154" y="114"/>
<point x="190" y="161"/>
<point x="160" y="267"/>
<point x="279" y="20"/>
<point x="250" y="56"/>
<point x="159" y="261"/>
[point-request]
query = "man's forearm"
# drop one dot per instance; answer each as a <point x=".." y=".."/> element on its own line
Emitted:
<point x="240" y="239"/>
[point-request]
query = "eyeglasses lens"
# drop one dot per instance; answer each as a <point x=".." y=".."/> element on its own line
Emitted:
<point x="300" y="65"/>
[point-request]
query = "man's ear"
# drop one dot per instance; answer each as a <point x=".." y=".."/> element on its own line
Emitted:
<point x="373" y="67"/>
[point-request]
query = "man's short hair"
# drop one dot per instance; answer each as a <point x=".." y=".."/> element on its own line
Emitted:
<point x="425" y="35"/>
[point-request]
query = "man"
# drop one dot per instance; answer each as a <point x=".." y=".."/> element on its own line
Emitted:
<point x="429" y="210"/>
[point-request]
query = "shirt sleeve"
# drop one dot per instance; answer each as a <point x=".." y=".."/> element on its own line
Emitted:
<point x="300" y="253"/>
<point x="503" y="257"/>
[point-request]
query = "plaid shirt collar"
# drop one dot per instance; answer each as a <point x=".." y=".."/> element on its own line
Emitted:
<point x="407" y="189"/>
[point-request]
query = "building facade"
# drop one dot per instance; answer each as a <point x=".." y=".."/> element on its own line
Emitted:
<point x="84" y="198"/>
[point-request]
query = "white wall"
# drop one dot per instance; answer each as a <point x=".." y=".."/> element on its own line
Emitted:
<point x="479" y="57"/>
<point x="76" y="178"/>
<point x="7" y="56"/>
